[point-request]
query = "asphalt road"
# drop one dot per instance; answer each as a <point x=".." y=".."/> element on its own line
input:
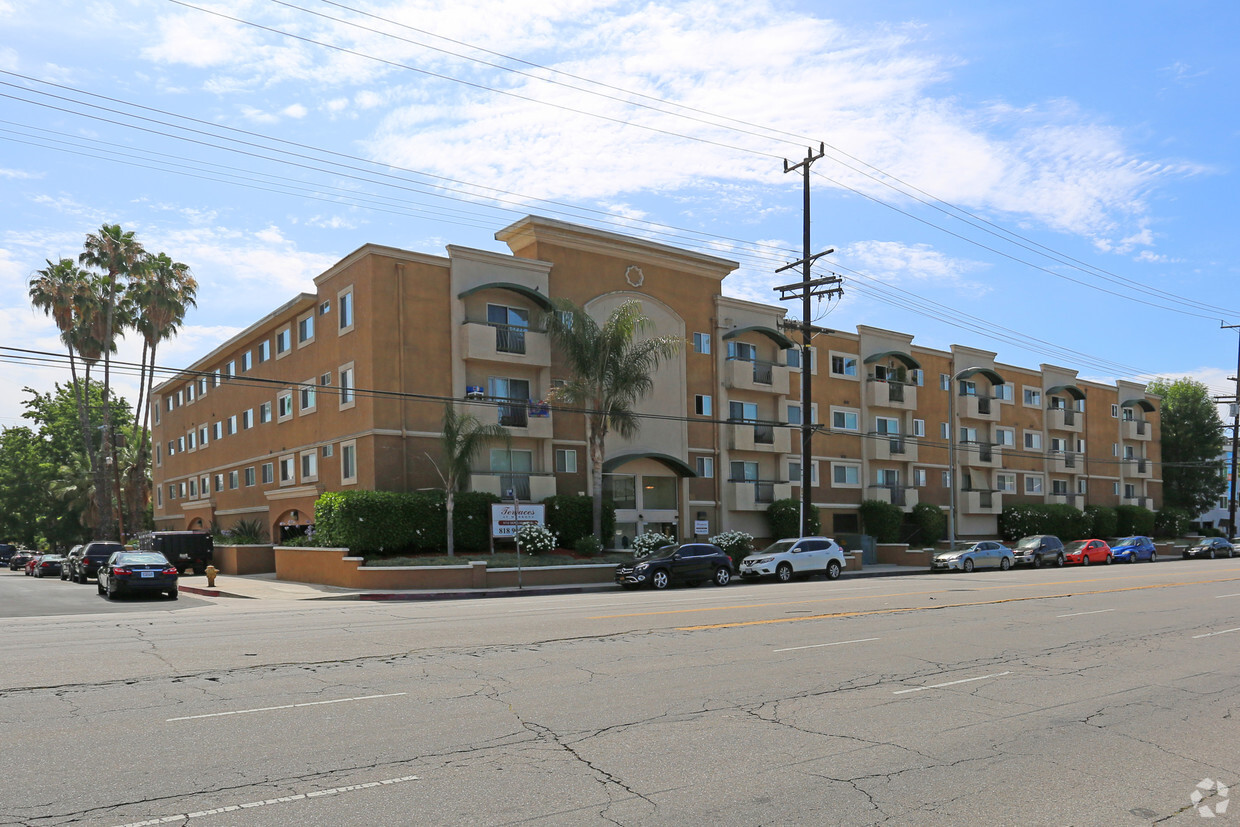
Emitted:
<point x="23" y="596"/>
<point x="1102" y="695"/>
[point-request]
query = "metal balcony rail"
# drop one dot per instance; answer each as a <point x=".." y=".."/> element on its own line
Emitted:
<point x="763" y="371"/>
<point x="895" y="492"/>
<point x="514" y="413"/>
<point x="517" y="485"/>
<point x="763" y="490"/>
<point x="763" y="435"/>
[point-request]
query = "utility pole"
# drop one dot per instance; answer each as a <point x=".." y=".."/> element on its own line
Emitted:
<point x="1235" y="439"/>
<point x="806" y="289"/>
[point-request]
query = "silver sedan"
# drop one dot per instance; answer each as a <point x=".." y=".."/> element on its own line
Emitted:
<point x="988" y="554"/>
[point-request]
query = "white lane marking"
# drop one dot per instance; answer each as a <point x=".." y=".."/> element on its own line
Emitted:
<point x="1212" y="634"/>
<point x="1098" y="612"/>
<point x="836" y="643"/>
<point x="1217" y="596"/>
<point x="950" y="683"/>
<point x="284" y="799"/>
<point x="285" y="706"/>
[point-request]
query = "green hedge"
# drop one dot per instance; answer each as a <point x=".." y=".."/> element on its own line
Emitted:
<point x="1103" y="521"/>
<point x="1025" y="519"/>
<point x="882" y="520"/>
<point x="1171" y="522"/>
<point x="391" y="522"/>
<point x="932" y="521"/>
<point x="1134" y="519"/>
<point x="571" y="516"/>
<point x="784" y="519"/>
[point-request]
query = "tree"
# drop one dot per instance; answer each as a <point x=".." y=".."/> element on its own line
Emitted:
<point x="463" y="437"/>
<point x="1192" y="442"/>
<point x="610" y="369"/>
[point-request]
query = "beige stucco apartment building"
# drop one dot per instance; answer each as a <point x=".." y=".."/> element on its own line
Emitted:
<point x="344" y="388"/>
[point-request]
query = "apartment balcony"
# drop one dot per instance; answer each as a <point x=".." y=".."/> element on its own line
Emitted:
<point x="768" y="377"/>
<point x="505" y="343"/>
<point x="904" y="497"/>
<point x="525" y="417"/>
<point x="887" y="447"/>
<point x="1066" y="462"/>
<point x="979" y="454"/>
<point x="759" y="436"/>
<point x="981" y="502"/>
<point x="1139" y="467"/>
<point x="1137" y="430"/>
<point x="971" y="406"/>
<point x="528" y="487"/>
<point x="881" y="393"/>
<point x="1143" y="502"/>
<point x="755" y="495"/>
<point x="1074" y="500"/>
<point x="1065" y="419"/>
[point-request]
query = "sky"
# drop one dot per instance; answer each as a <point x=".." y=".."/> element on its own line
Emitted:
<point x="1056" y="182"/>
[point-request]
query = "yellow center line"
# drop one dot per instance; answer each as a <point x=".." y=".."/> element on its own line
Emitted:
<point x="889" y="594"/>
<point x="899" y="609"/>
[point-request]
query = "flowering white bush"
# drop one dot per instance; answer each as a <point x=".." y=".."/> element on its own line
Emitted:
<point x="735" y="544"/>
<point x="536" y="539"/>
<point x="648" y="542"/>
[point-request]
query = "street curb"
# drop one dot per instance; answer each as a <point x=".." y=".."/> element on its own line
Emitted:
<point x="210" y="592"/>
<point x="481" y="593"/>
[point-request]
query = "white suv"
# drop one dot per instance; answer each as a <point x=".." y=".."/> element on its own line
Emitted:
<point x="785" y="559"/>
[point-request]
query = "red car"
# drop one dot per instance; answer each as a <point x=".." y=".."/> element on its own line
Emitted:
<point x="31" y="563"/>
<point x="1086" y="552"/>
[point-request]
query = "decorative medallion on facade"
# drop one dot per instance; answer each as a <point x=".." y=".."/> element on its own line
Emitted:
<point x="635" y="276"/>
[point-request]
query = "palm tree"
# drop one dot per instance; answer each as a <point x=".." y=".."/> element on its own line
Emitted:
<point x="611" y="368"/>
<point x="58" y="290"/>
<point x="462" y="439"/>
<point x="118" y="254"/>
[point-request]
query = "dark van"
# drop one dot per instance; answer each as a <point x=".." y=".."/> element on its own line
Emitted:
<point x="184" y="549"/>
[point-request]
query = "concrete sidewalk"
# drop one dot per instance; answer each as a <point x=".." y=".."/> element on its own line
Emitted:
<point x="267" y="587"/>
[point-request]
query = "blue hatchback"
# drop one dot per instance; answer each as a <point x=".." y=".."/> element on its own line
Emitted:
<point x="1134" y="549"/>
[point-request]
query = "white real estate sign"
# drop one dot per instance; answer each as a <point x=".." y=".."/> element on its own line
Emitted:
<point x="506" y="519"/>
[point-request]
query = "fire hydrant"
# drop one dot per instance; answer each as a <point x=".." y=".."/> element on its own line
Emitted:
<point x="211" y="572"/>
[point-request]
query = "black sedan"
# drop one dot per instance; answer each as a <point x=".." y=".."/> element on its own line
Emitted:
<point x="48" y="565"/>
<point x="1210" y="547"/>
<point x="137" y="571"/>
<point x="19" y="560"/>
<point x="690" y="563"/>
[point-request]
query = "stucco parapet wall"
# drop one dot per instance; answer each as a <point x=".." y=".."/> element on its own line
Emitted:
<point x="380" y="250"/>
<point x="334" y="567"/>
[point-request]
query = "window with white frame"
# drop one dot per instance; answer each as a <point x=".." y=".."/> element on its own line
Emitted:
<point x="1005" y="482"/>
<point x="1114" y="449"/>
<point x="344" y="301"/>
<point x="171" y="400"/>
<point x="193" y="489"/>
<point x="232" y="425"/>
<point x="917" y="377"/>
<point x="705" y="467"/>
<point x="155" y="410"/>
<point x="159" y="455"/>
<point x="309" y="466"/>
<point x="325" y="307"/>
<point x="307" y="396"/>
<point x="845" y="474"/>
<point x="233" y="480"/>
<point x="269" y="473"/>
<point x="794" y="472"/>
<point x="566" y="460"/>
<point x="284" y="405"/>
<point x="1032" y="397"/>
<point x="347" y="396"/>
<point x="189" y="392"/>
<point x="702" y="404"/>
<point x="284" y="342"/>
<point x="947" y="479"/>
<point x="1082" y="486"/>
<point x="944" y="431"/>
<point x="305" y="329"/>
<point x="1115" y="411"/>
<point x="919" y="477"/>
<point x="219" y="483"/>
<point x="264" y="413"/>
<point x="1005" y="437"/>
<point x="1033" y="483"/>
<point x="249" y="477"/>
<point x="327" y="451"/>
<point x="1059" y="487"/>
<point x="191" y="440"/>
<point x="348" y="462"/>
<point x="1002" y="392"/>
<point x="743" y="472"/>
<point x="180" y="445"/>
<point x="794" y="414"/>
<point x="701" y="343"/>
<point x="1130" y="490"/>
<point x="264" y="350"/>
<point x="843" y="364"/>
<point x="288" y="472"/>
<point x="202" y="436"/>
<point x="945" y="382"/>
<point x="159" y="497"/>
<point x="844" y="419"/>
<point x="180" y="398"/>
<point x="919" y="427"/>
<point x="230" y="368"/>
<point x="217" y="430"/>
<point x="247" y="419"/>
<point x="247" y="361"/>
<point x="1033" y="441"/>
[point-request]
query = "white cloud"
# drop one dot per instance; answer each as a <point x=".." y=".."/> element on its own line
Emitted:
<point x="295" y="110"/>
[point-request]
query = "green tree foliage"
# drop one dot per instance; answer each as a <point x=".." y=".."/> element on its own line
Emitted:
<point x="24" y="480"/>
<point x="1171" y="522"/>
<point x="882" y="520"/>
<point x="1064" y="521"/>
<point x="932" y="521"/>
<point x="784" y="518"/>
<point x="1192" y="440"/>
<point x="1134" y="519"/>
<point x="571" y="517"/>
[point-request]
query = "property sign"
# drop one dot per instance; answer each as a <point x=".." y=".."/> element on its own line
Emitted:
<point x="506" y="519"/>
<point x="701" y="528"/>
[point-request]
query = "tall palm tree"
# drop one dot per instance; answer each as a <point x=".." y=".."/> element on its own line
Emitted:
<point x="57" y="290"/>
<point x="118" y="254"/>
<point x="611" y="368"/>
<point x="463" y="437"/>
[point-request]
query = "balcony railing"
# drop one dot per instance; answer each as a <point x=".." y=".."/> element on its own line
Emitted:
<point x="895" y="493"/>
<point x="517" y="485"/>
<point x="514" y="414"/>
<point x="1069" y="415"/>
<point x="510" y="338"/>
<point x="763" y="371"/>
<point x="763" y="434"/>
<point x="985" y="450"/>
<point x="763" y="490"/>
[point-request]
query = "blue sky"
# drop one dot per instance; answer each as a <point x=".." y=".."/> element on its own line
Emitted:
<point x="1052" y="181"/>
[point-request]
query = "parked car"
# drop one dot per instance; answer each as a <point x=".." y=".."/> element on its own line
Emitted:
<point x="686" y="563"/>
<point x="1134" y="549"/>
<point x="137" y="571"/>
<point x="185" y="549"/>
<point x="67" y="566"/>
<point x="19" y="559"/>
<point x="987" y="554"/>
<point x="7" y="550"/>
<point x="1087" y="551"/>
<point x="48" y="565"/>
<point x="92" y="557"/>
<point x="785" y="559"/>
<point x="1038" y="550"/>
<point x="1210" y="547"/>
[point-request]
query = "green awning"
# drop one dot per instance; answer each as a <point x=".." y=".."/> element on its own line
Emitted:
<point x="991" y="376"/>
<point x="899" y="356"/>
<point x="771" y="333"/>
<point x="1070" y="390"/>
<point x="1144" y="404"/>
<point x="681" y="467"/>
<point x="512" y="287"/>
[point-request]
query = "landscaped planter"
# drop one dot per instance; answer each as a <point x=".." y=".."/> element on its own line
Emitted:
<point x="258" y="559"/>
<point x="899" y="554"/>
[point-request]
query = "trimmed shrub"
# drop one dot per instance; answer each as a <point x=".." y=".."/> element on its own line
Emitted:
<point x="1024" y="519"/>
<point x="471" y="522"/>
<point x="1103" y="521"/>
<point x="882" y="520"/>
<point x="784" y="519"/>
<point x="1171" y="522"/>
<point x="536" y="539"/>
<point x="588" y="546"/>
<point x="391" y="522"/>
<point x="735" y="544"/>
<point x="932" y="521"/>
<point x="1133" y="519"/>
<point x="572" y="517"/>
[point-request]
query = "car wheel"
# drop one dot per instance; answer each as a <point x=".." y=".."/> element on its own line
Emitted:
<point x="1108" y="560"/>
<point x="1004" y="564"/>
<point x="1231" y="552"/>
<point x="174" y="594"/>
<point x="63" y="576"/>
<point x="1059" y="561"/>
<point x="660" y="579"/>
<point x="722" y="576"/>
<point x="833" y="570"/>
<point x="1153" y="557"/>
<point x="968" y="564"/>
<point x="1037" y="561"/>
<point x="783" y="572"/>
<point x="111" y="592"/>
<point x="99" y="586"/>
<point x="1084" y="559"/>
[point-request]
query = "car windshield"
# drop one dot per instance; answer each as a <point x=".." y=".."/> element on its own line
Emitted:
<point x="149" y="559"/>
<point x="1127" y="541"/>
<point x="1029" y="542"/>
<point x="661" y="551"/>
<point x="778" y="547"/>
<point x="1075" y="546"/>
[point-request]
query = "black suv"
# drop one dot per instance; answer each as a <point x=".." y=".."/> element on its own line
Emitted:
<point x="1039" y="549"/>
<point x="691" y="563"/>
<point x="7" y="550"/>
<point x="90" y="557"/>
